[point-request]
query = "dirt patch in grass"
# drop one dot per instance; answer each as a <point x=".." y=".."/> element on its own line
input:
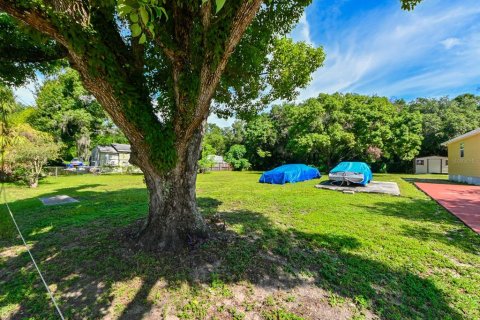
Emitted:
<point x="239" y="301"/>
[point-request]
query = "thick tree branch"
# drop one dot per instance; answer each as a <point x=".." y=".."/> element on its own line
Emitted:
<point x="169" y="53"/>
<point x="138" y="52"/>
<point x="74" y="8"/>
<point x="209" y="78"/>
<point x="206" y="13"/>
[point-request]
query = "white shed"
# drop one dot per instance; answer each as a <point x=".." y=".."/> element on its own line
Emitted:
<point x="220" y="163"/>
<point x="431" y="164"/>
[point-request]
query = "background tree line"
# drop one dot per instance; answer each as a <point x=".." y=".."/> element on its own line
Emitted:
<point x="328" y="129"/>
<point x="23" y="149"/>
<point x="64" y="122"/>
<point x="65" y="109"/>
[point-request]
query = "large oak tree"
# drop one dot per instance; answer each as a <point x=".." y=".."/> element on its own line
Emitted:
<point x="156" y="66"/>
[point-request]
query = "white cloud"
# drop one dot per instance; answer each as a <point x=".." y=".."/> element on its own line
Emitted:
<point x="302" y="30"/>
<point x="450" y="42"/>
<point x="391" y="52"/>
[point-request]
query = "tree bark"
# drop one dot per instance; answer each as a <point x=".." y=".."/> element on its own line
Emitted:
<point x="174" y="220"/>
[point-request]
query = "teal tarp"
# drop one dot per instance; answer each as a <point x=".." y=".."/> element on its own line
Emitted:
<point x="356" y="167"/>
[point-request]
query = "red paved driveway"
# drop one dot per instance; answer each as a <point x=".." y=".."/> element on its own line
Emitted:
<point x="461" y="200"/>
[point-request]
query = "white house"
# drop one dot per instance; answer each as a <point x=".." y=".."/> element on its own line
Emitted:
<point x="116" y="155"/>
<point x="431" y="164"/>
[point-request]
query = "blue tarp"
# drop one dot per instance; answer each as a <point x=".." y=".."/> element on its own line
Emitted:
<point x="290" y="173"/>
<point x="356" y="167"/>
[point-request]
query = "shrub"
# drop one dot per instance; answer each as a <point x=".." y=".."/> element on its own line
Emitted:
<point x="235" y="157"/>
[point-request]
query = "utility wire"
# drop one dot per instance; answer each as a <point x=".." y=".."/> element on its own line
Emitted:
<point x="3" y="190"/>
<point x="30" y="253"/>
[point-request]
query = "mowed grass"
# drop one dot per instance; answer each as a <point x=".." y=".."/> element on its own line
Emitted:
<point x="276" y="252"/>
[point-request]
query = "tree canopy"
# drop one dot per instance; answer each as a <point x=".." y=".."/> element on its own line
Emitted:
<point x="23" y="150"/>
<point x="25" y="51"/>
<point x="30" y="152"/>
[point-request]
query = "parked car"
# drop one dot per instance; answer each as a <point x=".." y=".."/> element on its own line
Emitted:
<point x="76" y="162"/>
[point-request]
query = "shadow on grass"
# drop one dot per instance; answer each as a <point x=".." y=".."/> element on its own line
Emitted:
<point x="84" y="255"/>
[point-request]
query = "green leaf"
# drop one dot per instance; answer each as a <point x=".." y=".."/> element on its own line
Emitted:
<point x="219" y="4"/>
<point x="142" y="39"/>
<point x="150" y="12"/>
<point x="151" y="28"/>
<point x="164" y="12"/>
<point x="136" y="30"/>
<point x="124" y="9"/>
<point x="134" y="17"/>
<point x="144" y="15"/>
<point x="161" y="11"/>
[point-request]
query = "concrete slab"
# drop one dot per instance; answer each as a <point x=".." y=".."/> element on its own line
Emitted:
<point x="372" y="187"/>
<point x="55" y="200"/>
<point x="461" y="200"/>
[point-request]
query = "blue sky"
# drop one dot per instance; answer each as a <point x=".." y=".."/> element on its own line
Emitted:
<point x="374" y="47"/>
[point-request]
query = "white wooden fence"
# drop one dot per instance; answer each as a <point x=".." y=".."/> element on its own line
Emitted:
<point x="63" y="171"/>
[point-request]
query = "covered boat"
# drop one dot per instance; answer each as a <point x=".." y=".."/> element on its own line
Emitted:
<point x="351" y="172"/>
<point x="290" y="173"/>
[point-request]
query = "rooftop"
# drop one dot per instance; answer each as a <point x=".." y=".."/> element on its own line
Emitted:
<point x="106" y="149"/>
<point x="115" y="148"/>
<point x="463" y="136"/>
<point x="122" y="147"/>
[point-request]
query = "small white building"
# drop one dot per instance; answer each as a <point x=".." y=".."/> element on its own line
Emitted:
<point x="116" y="155"/>
<point x="220" y="163"/>
<point x="431" y="164"/>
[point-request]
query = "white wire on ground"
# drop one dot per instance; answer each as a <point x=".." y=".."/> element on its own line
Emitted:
<point x="28" y="250"/>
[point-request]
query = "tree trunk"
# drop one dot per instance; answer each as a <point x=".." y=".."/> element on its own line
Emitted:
<point x="174" y="220"/>
<point x="33" y="182"/>
<point x="33" y="179"/>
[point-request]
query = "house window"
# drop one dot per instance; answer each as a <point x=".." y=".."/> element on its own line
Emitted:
<point x="420" y="162"/>
<point x="446" y="162"/>
<point x="462" y="150"/>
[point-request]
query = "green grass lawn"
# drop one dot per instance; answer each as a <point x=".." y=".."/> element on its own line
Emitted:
<point x="278" y="252"/>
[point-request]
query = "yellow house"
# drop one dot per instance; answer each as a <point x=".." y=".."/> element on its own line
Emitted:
<point x="464" y="157"/>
